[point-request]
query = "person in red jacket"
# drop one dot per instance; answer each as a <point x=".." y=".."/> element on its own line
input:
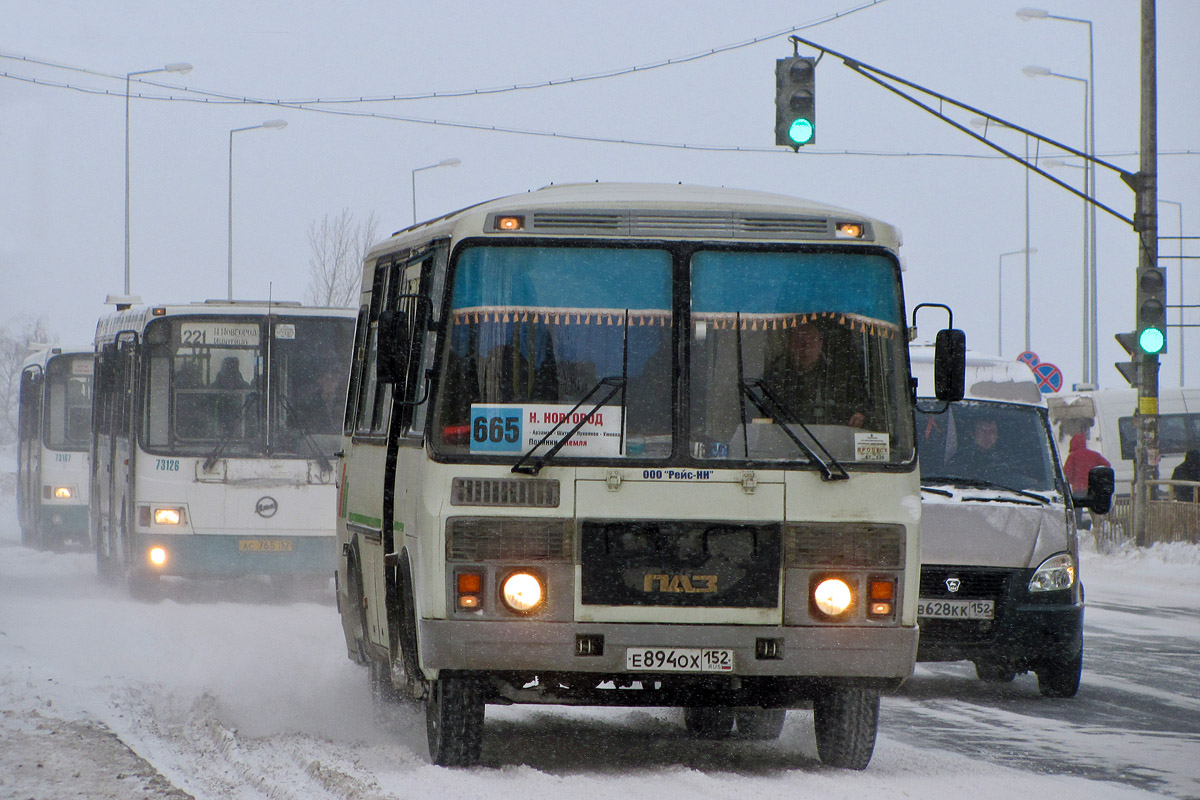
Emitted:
<point x="1080" y="461"/>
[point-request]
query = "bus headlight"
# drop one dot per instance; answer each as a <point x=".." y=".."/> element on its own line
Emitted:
<point x="157" y="556"/>
<point x="62" y="493"/>
<point x="523" y="592"/>
<point x="831" y="596"/>
<point x="168" y="516"/>
<point x="1054" y="574"/>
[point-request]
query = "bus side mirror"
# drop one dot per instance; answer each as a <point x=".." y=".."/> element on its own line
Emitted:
<point x="391" y="360"/>
<point x="1101" y="484"/>
<point x="950" y="365"/>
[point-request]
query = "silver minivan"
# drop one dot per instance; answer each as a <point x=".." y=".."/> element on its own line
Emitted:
<point x="1000" y="583"/>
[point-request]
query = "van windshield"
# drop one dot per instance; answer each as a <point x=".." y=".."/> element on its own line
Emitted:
<point x="1004" y="444"/>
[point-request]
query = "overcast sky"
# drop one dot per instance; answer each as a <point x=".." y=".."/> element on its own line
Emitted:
<point x="62" y="149"/>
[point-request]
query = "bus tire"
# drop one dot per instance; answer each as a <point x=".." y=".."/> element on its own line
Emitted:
<point x="709" y="722"/>
<point x="845" y="721"/>
<point x="760" y="724"/>
<point x="454" y="721"/>
<point x="1060" y="677"/>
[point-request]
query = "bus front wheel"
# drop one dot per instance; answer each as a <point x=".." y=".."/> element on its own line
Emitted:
<point x="454" y="721"/>
<point x="845" y="722"/>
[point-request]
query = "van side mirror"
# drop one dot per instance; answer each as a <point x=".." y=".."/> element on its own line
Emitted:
<point x="391" y="358"/>
<point x="950" y="365"/>
<point x="1101" y="484"/>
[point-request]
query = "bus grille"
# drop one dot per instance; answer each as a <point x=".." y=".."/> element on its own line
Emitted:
<point x="508" y="539"/>
<point x="724" y="225"/>
<point x="523" y="492"/>
<point x="681" y="563"/>
<point x="874" y="546"/>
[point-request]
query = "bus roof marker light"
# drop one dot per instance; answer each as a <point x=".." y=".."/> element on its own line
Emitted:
<point x="510" y="223"/>
<point x="849" y="230"/>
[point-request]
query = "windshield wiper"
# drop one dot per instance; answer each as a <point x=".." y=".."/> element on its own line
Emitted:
<point x="306" y="436"/>
<point x="229" y="434"/>
<point x="942" y="492"/>
<point x="618" y="385"/>
<point x="745" y="390"/>
<point x="980" y="483"/>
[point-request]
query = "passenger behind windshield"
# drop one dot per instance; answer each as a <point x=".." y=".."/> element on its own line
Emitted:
<point x="998" y="443"/>
<point x="813" y="378"/>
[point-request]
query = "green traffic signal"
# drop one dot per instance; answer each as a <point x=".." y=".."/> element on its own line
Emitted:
<point x="801" y="131"/>
<point x="1151" y="341"/>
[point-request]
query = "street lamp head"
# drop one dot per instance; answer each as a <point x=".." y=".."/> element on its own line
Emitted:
<point x="1026" y="14"/>
<point x="1034" y="71"/>
<point x="449" y="162"/>
<point x="275" y="123"/>
<point x="183" y="68"/>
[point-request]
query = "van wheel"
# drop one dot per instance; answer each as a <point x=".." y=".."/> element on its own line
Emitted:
<point x="845" y="721"/>
<point x="454" y="721"/>
<point x="760" y="723"/>
<point x="1060" y="678"/>
<point x="994" y="673"/>
<point x="709" y="722"/>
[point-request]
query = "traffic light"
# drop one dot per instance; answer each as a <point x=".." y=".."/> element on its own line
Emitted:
<point x="1151" y="311"/>
<point x="1128" y="369"/>
<point x="795" y="99"/>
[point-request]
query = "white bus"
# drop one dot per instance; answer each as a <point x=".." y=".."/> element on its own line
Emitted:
<point x="55" y="430"/>
<point x="215" y="429"/>
<point x="575" y="474"/>
<point x="1106" y="418"/>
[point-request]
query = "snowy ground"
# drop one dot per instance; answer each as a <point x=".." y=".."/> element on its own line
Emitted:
<point x="224" y="691"/>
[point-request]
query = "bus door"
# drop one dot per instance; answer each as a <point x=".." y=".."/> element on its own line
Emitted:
<point x="29" y="451"/>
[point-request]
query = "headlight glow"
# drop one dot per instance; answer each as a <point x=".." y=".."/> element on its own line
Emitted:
<point x="1054" y="574"/>
<point x="157" y="556"/>
<point x="168" y="516"/>
<point x="62" y="493"/>
<point x="832" y="597"/>
<point x="522" y="592"/>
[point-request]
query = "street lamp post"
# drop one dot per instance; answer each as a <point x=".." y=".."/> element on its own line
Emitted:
<point x="182" y="69"/>
<point x="1089" y="267"/>
<point x="980" y="122"/>
<point x="445" y="162"/>
<point x="1028" y="251"/>
<point x="271" y="123"/>
<point x="1025" y="15"/>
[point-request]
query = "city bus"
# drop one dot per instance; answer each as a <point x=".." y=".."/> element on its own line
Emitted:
<point x="54" y="422"/>
<point x="573" y="475"/>
<point x="215" y="426"/>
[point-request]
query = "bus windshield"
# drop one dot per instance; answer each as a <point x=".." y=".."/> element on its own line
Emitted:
<point x="246" y="386"/>
<point x="986" y="443"/>
<point x="68" y="402"/>
<point x="541" y="336"/>
<point x="798" y="356"/>
<point x="582" y="338"/>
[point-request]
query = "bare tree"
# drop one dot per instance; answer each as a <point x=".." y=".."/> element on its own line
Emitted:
<point x="335" y="267"/>
<point x="16" y="343"/>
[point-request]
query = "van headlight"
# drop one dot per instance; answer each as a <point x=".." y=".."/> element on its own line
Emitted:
<point x="1054" y="574"/>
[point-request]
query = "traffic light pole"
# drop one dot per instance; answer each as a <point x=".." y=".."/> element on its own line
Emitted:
<point x="1146" y="452"/>
<point x="1144" y="222"/>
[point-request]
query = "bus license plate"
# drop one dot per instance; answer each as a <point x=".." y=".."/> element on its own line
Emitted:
<point x="678" y="659"/>
<point x="266" y="545"/>
<point x="956" y="609"/>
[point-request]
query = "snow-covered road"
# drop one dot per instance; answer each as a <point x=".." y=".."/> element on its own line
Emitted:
<point x="222" y="691"/>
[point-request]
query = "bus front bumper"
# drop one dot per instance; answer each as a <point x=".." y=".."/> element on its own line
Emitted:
<point x="231" y="555"/>
<point x="884" y="653"/>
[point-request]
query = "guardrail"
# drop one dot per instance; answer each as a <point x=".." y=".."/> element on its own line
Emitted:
<point x="1169" y="520"/>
